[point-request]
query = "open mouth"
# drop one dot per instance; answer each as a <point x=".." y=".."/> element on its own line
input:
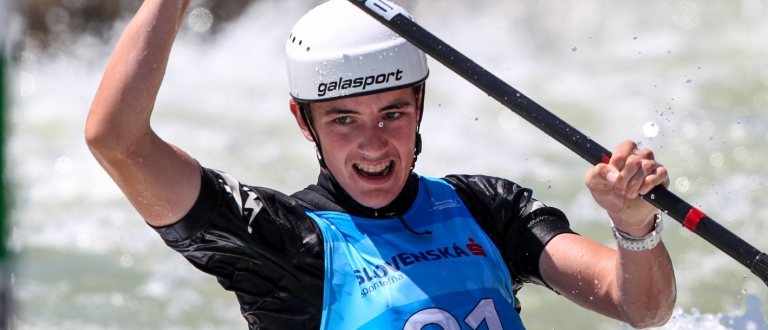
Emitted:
<point x="376" y="171"/>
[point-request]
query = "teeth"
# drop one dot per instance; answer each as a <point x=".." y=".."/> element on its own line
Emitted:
<point x="373" y="169"/>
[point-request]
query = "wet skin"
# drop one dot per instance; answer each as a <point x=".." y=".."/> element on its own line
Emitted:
<point x="367" y="142"/>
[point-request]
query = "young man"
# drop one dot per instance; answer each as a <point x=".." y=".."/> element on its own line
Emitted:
<point x="372" y="244"/>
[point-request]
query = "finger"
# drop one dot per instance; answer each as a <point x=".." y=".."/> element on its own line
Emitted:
<point x="622" y="153"/>
<point x="653" y="173"/>
<point x="640" y="178"/>
<point x="599" y="177"/>
<point x="622" y="160"/>
<point x="658" y="176"/>
<point x="636" y="169"/>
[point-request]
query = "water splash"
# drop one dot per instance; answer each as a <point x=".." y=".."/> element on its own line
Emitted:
<point x="748" y="317"/>
<point x="63" y="221"/>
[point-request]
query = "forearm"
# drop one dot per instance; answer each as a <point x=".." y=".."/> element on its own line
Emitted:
<point x="636" y="287"/>
<point x="646" y="289"/>
<point x="121" y="109"/>
<point x="161" y="181"/>
<point x="645" y="282"/>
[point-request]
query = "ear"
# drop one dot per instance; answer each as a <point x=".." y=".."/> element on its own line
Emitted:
<point x="300" y="120"/>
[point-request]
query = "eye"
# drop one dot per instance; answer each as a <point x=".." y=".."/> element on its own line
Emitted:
<point x="343" y="120"/>
<point x="393" y="115"/>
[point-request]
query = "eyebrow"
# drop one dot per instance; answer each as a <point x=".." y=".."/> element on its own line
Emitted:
<point x="338" y="111"/>
<point x="398" y="104"/>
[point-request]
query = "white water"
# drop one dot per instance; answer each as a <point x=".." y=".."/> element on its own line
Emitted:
<point x="685" y="79"/>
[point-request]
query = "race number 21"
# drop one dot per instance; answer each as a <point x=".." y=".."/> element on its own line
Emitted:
<point x="484" y="311"/>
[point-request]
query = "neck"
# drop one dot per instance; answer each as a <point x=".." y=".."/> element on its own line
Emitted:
<point x="400" y="205"/>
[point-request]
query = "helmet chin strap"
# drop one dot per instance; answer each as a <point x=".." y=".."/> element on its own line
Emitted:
<point x="417" y="147"/>
<point x="303" y="108"/>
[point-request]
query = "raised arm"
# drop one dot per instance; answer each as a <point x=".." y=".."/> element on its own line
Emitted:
<point x="160" y="180"/>
<point x="636" y="287"/>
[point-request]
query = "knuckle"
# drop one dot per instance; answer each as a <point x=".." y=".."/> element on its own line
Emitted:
<point x="662" y="171"/>
<point x="647" y="153"/>
<point x="634" y="162"/>
<point x="650" y="166"/>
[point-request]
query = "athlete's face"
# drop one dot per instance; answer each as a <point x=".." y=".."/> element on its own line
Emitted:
<point x="367" y="142"/>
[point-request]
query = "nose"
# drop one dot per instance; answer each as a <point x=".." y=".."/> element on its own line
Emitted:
<point x="373" y="138"/>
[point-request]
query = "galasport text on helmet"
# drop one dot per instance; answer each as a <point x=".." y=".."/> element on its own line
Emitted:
<point x="336" y="50"/>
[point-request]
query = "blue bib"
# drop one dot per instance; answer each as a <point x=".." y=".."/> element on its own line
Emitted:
<point x="379" y="275"/>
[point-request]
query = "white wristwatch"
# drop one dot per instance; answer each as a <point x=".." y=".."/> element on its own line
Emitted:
<point x="646" y="242"/>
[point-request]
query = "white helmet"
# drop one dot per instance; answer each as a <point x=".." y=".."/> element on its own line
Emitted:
<point x="336" y="50"/>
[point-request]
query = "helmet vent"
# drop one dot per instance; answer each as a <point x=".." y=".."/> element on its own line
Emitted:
<point x="293" y="40"/>
<point x="348" y="53"/>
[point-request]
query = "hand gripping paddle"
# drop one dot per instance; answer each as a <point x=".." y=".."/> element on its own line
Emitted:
<point x="689" y="216"/>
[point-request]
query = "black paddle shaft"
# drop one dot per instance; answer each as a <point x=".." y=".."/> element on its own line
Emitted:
<point x="594" y="153"/>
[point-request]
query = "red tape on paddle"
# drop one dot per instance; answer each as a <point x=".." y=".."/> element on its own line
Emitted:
<point x="693" y="218"/>
<point x="606" y="159"/>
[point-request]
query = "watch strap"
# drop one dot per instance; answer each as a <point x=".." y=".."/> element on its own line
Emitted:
<point x="646" y="242"/>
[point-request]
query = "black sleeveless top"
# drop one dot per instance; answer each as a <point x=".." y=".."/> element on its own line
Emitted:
<point x="260" y="244"/>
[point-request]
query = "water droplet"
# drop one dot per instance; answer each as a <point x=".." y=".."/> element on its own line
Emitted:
<point x="116" y="299"/>
<point x="573" y="49"/>
<point x="126" y="260"/>
<point x="653" y="196"/>
<point x="381" y="124"/>
<point x="475" y="118"/>
<point x="716" y="159"/>
<point x="650" y="129"/>
<point x="634" y="38"/>
<point x="201" y="19"/>
<point x="688" y="81"/>
<point x="63" y="165"/>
